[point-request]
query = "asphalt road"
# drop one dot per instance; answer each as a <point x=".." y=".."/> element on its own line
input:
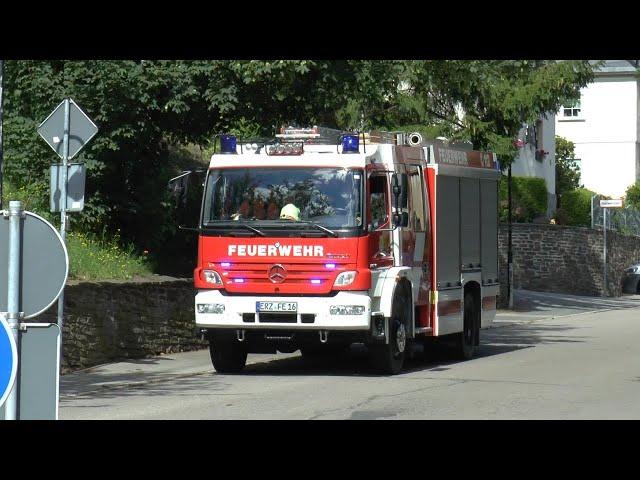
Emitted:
<point x="555" y="357"/>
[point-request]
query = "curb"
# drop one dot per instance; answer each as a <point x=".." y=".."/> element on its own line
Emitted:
<point x="553" y="317"/>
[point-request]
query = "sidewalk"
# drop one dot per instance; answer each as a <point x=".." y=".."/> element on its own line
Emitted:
<point x="529" y="307"/>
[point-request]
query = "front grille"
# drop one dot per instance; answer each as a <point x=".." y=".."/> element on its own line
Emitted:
<point x="278" y="317"/>
<point x="248" y="317"/>
<point x="296" y="273"/>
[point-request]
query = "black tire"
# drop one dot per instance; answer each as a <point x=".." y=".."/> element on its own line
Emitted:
<point x="227" y="356"/>
<point x="465" y="341"/>
<point x="389" y="358"/>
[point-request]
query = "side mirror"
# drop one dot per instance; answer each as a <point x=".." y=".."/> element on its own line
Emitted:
<point x="404" y="193"/>
<point x="400" y="199"/>
<point x="185" y="191"/>
<point x="178" y="187"/>
<point x="395" y="185"/>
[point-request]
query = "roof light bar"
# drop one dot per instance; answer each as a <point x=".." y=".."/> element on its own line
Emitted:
<point x="291" y="133"/>
<point x="350" y="143"/>
<point x="286" y="149"/>
<point x="228" y="144"/>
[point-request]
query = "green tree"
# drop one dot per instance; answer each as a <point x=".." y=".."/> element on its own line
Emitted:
<point x="487" y="102"/>
<point x="632" y="196"/>
<point x="567" y="172"/>
<point x="142" y="108"/>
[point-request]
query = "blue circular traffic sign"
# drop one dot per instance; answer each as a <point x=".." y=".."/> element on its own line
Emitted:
<point x="8" y="360"/>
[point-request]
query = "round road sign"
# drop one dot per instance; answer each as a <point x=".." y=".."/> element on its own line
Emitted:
<point x="44" y="264"/>
<point x="8" y="360"/>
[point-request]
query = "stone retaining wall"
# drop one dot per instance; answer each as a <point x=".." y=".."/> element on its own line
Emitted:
<point x="107" y="321"/>
<point x="561" y="259"/>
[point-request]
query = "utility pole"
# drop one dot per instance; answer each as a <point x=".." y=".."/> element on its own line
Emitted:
<point x="604" y="253"/>
<point x="509" y="246"/>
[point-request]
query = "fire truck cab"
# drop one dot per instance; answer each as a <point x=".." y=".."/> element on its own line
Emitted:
<point x="314" y="245"/>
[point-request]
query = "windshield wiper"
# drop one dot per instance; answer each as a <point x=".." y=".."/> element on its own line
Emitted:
<point x="235" y="224"/>
<point x="317" y="225"/>
<point x="253" y="229"/>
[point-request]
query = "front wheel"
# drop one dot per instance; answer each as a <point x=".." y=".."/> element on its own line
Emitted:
<point x="227" y="356"/>
<point x="389" y="358"/>
<point x="466" y="340"/>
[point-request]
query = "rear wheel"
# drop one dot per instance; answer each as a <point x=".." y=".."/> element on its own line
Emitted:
<point x="466" y="340"/>
<point x="227" y="356"/>
<point x="389" y="358"/>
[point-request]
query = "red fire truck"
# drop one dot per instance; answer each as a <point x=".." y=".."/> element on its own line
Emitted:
<point x="306" y="244"/>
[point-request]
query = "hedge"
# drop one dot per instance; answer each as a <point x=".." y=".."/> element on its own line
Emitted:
<point x="529" y="199"/>
<point x="575" y="208"/>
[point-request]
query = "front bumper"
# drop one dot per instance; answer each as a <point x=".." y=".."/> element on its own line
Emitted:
<point x="236" y="306"/>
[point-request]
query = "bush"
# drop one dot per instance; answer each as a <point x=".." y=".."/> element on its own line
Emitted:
<point x="529" y="199"/>
<point x="632" y="196"/>
<point x="34" y="198"/>
<point x="575" y="208"/>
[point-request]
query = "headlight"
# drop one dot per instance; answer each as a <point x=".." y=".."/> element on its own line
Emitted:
<point x="346" y="310"/>
<point x="345" y="278"/>
<point x="211" y="276"/>
<point x="210" y="308"/>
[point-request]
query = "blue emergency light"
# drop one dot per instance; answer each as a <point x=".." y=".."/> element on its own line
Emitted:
<point x="228" y="144"/>
<point x="350" y="143"/>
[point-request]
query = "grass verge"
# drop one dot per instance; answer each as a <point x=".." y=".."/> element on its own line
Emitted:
<point x="93" y="258"/>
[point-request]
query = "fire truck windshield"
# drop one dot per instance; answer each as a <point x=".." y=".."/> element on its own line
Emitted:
<point x="284" y="197"/>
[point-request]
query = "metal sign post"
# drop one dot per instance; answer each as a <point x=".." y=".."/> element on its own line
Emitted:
<point x="34" y="265"/>
<point x="606" y="205"/>
<point x="604" y="254"/>
<point x="13" y="295"/>
<point x="63" y="204"/>
<point x="77" y="130"/>
<point x="1" y="122"/>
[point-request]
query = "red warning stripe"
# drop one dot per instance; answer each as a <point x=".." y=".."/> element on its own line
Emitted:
<point x="489" y="303"/>
<point x="448" y="307"/>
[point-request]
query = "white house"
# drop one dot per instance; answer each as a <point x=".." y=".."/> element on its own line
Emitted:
<point x="604" y="125"/>
<point x="536" y="156"/>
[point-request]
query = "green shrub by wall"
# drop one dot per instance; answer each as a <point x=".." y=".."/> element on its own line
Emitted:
<point x="529" y="196"/>
<point x="632" y="196"/>
<point x="575" y="208"/>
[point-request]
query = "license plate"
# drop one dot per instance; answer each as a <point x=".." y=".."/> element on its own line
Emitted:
<point x="276" y="306"/>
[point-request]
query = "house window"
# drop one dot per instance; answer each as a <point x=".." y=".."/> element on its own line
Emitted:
<point x="571" y="110"/>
